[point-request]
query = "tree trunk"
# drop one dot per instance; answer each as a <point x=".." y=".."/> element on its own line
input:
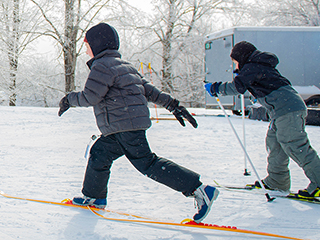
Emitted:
<point x="167" y="68"/>
<point x="167" y="85"/>
<point x="13" y="51"/>
<point x="69" y="67"/>
<point x="69" y="48"/>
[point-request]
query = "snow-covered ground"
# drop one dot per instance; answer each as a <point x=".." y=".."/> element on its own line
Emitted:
<point x="41" y="156"/>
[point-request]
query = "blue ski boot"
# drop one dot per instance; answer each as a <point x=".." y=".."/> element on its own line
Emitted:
<point x="88" y="201"/>
<point x="204" y="197"/>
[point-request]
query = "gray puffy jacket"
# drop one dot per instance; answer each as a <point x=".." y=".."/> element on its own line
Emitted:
<point x="118" y="94"/>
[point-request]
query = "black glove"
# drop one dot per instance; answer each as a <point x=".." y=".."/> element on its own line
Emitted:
<point x="181" y="111"/>
<point x="64" y="105"/>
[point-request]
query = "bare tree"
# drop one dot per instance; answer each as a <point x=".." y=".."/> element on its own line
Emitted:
<point x="289" y="12"/>
<point x="13" y="48"/>
<point x="15" y="38"/>
<point x="242" y="12"/>
<point x="174" y="24"/>
<point x="176" y="34"/>
<point x="78" y="17"/>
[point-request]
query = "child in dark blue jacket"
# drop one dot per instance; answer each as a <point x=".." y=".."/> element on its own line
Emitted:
<point x="286" y="136"/>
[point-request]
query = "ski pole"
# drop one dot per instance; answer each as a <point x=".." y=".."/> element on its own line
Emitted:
<point x="246" y="173"/>
<point x="270" y="199"/>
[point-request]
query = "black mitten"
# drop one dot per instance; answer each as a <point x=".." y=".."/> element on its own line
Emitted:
<point x="64" y="105"/>
<point x="181" y="111"/>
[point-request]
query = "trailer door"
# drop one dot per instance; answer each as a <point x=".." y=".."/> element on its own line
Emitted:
<point x="218" y="66"/>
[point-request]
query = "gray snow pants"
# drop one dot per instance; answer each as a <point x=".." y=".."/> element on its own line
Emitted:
<point x="135" y="147"/>
<point x="286" y="138"/>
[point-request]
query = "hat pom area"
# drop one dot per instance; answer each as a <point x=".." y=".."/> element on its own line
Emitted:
<point x="102" y="37"/>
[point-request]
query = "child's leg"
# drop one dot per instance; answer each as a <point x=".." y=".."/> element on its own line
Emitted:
<point x="294" y="141"/>
<point x="136" y="149"/>
<point x="278" y="171"/>
<point x="102" y="154"/>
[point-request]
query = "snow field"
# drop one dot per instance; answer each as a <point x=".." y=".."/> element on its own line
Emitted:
<point x="41" y="156"/>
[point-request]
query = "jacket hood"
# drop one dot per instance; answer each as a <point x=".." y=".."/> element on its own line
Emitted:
<point x="264" y="58"/>
<point x="101" y="37"/>
<point x="241" y="52"/>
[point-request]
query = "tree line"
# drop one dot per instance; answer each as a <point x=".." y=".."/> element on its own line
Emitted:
<point x="42" y="41"/>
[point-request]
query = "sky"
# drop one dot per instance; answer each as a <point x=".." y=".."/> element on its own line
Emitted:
<point x="144" y="5"/>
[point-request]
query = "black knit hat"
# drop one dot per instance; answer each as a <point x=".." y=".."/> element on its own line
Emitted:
<point x="241" y="52"/>
<point x="102" y="37"/>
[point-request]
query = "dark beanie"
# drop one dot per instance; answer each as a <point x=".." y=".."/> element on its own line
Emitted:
<point x="102" y="37"/>
<point x="241" y="52"/>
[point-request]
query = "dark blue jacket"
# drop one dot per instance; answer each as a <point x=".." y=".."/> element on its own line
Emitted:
<point x="261" y="78"/>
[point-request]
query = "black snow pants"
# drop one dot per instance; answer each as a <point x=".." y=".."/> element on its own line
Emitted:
<point x="135" y="147"/>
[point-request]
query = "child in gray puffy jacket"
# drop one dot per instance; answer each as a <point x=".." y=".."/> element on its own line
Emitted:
<point x="286" y="136"/>
<point x="119" y="96"/>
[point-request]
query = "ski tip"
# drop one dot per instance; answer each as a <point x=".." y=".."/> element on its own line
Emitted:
<point x="3" y="194"/>
<point x="187" y="220"/>
<point x="67" y="201"/>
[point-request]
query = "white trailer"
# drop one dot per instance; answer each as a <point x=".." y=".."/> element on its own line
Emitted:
<point x="298" y="50"/>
